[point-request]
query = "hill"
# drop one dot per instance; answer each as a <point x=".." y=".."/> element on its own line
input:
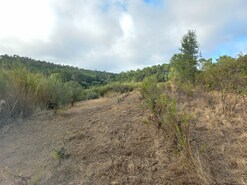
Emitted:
<point x="161" y="72"/>
<point x="84" y="77"/>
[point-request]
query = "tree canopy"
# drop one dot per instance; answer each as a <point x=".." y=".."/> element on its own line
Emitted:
<point x="184" y="64"/>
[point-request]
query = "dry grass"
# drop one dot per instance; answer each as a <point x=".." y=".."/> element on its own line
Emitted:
<point x="108" y="143"/>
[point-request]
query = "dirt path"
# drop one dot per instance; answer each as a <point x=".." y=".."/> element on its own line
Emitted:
<point x="108" y="143"/>
<point x="106" y="140"/>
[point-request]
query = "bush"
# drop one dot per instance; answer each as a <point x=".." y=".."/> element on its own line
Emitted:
<point x="22" y="92"/>
<point x="228" y="76"/>
<point x="165" y="113"/>
<point x="98" y="91"/>
<point x="58" y="93"/>
<point x="20" y="89"/>
<point x="76" y="89"/>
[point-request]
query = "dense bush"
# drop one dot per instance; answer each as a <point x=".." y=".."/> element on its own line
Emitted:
<point x="22" y="93"/>
<point x="165" y="114"/>
<point x="98" y="91"/>
<point x="160" y="71"/>
<point x="227" y="76"/>
<point x="19" y="91"/>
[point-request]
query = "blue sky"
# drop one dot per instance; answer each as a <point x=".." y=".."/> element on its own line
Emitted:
<point x="155" y="3"/>
<point x="119" y="35"/>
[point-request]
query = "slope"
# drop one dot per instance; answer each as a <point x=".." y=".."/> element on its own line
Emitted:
<point x="108" y="143"/>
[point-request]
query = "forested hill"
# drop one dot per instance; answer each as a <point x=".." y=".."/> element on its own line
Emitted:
<point x="159" y="71"/>
<point x="84" y="77"/>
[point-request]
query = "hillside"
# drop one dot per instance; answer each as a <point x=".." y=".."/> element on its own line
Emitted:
<point x="182" y="123"/>
<point x="68" y="73"/>
<point x="161" y="72"/>
<point x="84" y="77"/>
<point x="107" y="142"/>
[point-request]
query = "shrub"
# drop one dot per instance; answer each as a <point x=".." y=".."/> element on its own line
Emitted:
<point x="165" y="113"/>
<point x="227" y="76"/>
<point x="76" y="91"/>
<point x="23" y="92"/>
<point x="19" y="92"/>
<point x="98" y="91"/>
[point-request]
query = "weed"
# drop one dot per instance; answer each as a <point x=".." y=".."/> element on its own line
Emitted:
<point x="60" y="154"/>
<point x="203" y="148"/>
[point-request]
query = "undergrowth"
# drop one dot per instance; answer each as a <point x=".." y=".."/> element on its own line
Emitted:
<point x="174" y="123"/>
<point x="22" y="93"/>
<point x="165" y="114"/>
<point x="114" y="87"/>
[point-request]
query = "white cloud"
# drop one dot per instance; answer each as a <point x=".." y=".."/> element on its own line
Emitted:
<point x="25" y="20"/>
<point x="127" y="26"/>
<point x="116" y="35"/>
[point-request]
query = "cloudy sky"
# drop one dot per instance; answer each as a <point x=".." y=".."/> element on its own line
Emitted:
<point x="119" y="35"/>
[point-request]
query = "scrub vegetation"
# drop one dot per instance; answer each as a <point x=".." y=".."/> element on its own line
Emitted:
<point x="194" y="109"/>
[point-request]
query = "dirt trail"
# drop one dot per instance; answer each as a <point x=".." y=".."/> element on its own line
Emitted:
<point x="108" y="143"/>
<point x="105" y="140"/>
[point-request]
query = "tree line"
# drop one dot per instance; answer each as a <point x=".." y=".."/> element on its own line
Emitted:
<point x="85" y="78"/>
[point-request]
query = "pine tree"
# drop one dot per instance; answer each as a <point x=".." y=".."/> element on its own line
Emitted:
<point x="185" y="63"/>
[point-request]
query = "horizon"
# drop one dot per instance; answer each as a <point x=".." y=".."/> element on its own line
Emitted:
<point x="119" y="35"/>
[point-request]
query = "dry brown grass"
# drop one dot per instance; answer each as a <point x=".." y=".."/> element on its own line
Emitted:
<point x="108" y="143"/>
<point x="219" y="130"/>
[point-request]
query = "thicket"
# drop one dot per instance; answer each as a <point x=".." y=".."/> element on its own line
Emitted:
<point x="22" y="93"/>
<point x="228" y="76"/>
<point x="173" y="123"/>
<point x="159" y="71"/>
<point x="165" y="114"/>
<point x="114" y="87"/>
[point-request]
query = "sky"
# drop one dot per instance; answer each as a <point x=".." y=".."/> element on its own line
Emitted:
<point x="119" y="35"/>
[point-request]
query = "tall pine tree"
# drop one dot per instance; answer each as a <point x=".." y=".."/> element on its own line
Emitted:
<point x="184" y="64"/>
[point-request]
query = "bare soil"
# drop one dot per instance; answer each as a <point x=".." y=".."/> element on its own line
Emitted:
<point x="107" y="142"/>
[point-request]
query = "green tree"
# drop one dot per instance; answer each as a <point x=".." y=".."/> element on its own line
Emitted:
<point x="190" y="46"/>
<point x="204" y="64"/>
<point x="185" y="63"/>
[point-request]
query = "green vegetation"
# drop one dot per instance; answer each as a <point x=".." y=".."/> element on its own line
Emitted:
<point x="228" y="77"/>
<point x="114" y="87"/>
<point x="27" y="85"/>
<point x="22" y="93"/>
<point x="159" y="71"/>
<point x="170" y="103"/>
<point x="168" y="91"/>
<point x="60" y="154"/>
<point x="188" y="74"/>
<point x="184" y="64"/>
<point x="67" y="73"/>
<point x="165" y="113"/>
